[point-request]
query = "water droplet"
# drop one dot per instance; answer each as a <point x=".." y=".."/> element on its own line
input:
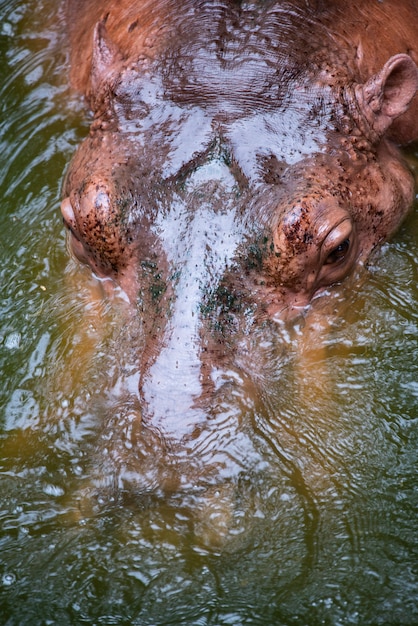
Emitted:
<point x="8" y="579"/>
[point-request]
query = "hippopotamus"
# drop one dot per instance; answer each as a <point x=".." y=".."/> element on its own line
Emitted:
<point x="243" y="158"/>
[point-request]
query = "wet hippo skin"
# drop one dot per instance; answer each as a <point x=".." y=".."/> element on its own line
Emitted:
<point x="243" y="157"/>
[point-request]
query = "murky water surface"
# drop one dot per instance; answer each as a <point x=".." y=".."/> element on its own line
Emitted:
<point x="296" y="504"/>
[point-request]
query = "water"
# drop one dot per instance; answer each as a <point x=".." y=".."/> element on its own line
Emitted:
<point x="296" y="506"/>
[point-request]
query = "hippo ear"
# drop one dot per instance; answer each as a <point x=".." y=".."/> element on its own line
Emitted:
<point x="387" y="95"/>
<point x="105" y="54"/>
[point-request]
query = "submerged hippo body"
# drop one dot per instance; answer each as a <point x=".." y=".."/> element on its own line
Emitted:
<point x="242" y="158"/>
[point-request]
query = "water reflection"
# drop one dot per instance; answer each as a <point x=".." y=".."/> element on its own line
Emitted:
<point x="294" y="503"/>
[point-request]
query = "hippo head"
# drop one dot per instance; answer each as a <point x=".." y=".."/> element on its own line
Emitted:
<point x="214" y="205"/>
<point x="310" y="189"/>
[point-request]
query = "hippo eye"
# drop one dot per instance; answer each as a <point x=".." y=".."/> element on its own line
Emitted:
<point x="338" y="254"/>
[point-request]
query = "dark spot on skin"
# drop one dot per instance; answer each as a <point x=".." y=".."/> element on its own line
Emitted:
<point x="254" y="258"/>
<point x="157" y="287"/>
<point x="272" y="169"/>
<point x="133" y="26"/>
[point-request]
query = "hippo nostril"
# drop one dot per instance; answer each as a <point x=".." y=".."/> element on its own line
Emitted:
<point x="68" y="217"/>
<point x="67" y="212"/>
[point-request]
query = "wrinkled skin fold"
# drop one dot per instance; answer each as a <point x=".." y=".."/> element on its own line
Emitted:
<point x="243" y="157"/>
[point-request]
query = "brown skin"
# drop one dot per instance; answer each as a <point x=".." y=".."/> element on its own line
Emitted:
<point x="276" y="124"/>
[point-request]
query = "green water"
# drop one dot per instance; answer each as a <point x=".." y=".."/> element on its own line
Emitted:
<point x="300" y="508"/>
